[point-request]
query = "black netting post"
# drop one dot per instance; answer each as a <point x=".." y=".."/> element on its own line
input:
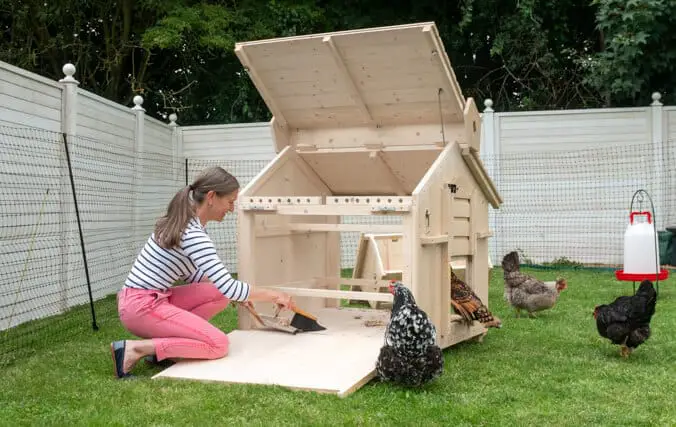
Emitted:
<point x="79" y="226"/>
<point x="186" y="171"/>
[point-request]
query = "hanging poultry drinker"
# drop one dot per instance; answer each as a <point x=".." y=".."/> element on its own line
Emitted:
<point x="641" y="247"/>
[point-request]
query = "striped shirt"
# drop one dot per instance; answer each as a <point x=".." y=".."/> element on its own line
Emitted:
<point x="157" y="268"/>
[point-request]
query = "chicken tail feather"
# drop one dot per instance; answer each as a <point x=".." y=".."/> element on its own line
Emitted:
<point x="462" y="312"/>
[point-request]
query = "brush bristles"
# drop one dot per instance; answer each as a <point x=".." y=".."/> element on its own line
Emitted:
<point x="305" y="323"/>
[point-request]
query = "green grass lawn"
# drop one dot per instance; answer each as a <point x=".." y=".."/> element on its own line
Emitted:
<point x="553" y="370"/>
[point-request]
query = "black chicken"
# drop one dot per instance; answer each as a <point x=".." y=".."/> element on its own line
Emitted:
<point x="626" y="321"/>
<point x="410" y="355"/>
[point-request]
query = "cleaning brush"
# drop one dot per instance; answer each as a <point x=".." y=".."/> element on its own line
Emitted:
<point x="304" y="321"/>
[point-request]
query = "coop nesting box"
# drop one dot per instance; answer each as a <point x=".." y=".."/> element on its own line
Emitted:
<point x="365" y="122"/>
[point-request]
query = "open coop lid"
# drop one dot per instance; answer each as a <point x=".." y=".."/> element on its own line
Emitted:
<point x="384" y="76"/>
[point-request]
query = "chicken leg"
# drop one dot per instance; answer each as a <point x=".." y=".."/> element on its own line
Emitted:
<point x="624" y="351"/>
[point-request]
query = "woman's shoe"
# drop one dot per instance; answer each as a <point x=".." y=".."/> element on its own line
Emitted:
<point x="117" y="349"/>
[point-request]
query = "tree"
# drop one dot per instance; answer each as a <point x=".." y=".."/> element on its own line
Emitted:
<point x="636" y="50"/>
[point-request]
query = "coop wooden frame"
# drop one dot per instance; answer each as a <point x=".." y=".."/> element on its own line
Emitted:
<point x="385" y="103"/>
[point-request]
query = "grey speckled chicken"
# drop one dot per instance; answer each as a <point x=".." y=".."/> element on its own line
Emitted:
<point x="410" y="355"/>
<point x="524" y="292"/>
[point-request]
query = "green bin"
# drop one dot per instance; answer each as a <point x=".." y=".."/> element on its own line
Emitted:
<point x="671" y="246"/>
<point x="666" y="246"/>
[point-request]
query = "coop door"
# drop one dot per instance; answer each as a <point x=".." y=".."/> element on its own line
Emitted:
<point x="459" y="227"/>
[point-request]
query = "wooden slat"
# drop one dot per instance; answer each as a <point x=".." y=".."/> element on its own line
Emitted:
<point x="347" y="78"/>
<point x="461" y="208"/>
<point x="475" y="165"/>
<point x="336" y="294"/>
<point x="311" y="227"/>
<point x="253" y="74"/>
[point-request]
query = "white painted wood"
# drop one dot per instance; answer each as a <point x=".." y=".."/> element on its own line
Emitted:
<point x="68" y="230"/>
<point x="28" y="100"/>
<point x="573" y="206"/>
<point x="251" y="141"/>
<point x="33" y="113"/>
<point x="573" y="130"/>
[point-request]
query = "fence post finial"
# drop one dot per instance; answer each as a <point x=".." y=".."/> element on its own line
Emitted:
<point x="488" y="103"/>
<point x="138" y="101"/>
<point x="172" y="119"/>
<point x="68" y="69"/>
<point x="69" y="100"/>
<point x="656" y="96"/>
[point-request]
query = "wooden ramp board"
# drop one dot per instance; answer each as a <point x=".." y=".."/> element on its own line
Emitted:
<point x="338" y="360"/>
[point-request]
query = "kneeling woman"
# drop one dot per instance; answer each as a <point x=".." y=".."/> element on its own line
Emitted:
<point x="174" y="320"/>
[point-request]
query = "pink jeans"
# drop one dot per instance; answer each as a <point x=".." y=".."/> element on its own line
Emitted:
<point x="176" y="320"/>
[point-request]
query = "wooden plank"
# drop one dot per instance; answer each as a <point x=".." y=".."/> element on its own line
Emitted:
<point x="460" y="207"/>
<point x="335" y="210"/>
<point x="342" y="80"/>
<point x="335" y="294"/>
<point x="312" y="227"/>
<point x="452" y="85"/>
<point x="475" y="165"/>
<point x="253" y="74"/>
<point x="434" y="240"/>
<point x="347" y="78"/>
<point x="338" y="360"/>
<point x="266" y="173"/>
<point x="372" y="228"/>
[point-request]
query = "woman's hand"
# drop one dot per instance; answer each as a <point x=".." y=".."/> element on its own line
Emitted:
<point x="284" y="300"/>
<point x="270" y="295"/>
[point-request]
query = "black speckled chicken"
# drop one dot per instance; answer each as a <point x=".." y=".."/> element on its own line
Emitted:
<point x="468" y="305"/>
<point x="410" y="355"/>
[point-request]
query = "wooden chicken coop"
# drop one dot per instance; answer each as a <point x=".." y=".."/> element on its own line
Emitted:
<point x="365" y="122"/>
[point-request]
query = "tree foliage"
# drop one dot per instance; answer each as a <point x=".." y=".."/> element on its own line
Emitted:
<point x="528" y="54"/>
<point x="637" y="50"/>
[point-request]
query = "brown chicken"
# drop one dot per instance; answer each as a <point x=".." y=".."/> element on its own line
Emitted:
<point x="468" y="305"/>
<point x="524" y="292"/>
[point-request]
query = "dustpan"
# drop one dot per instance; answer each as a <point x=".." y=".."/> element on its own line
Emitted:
<point x="270" y="322"/>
